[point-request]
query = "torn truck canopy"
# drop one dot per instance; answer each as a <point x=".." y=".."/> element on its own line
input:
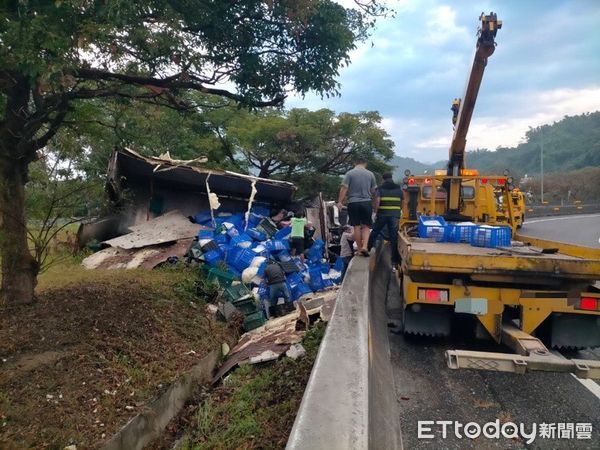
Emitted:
<point x="130" y="164"/>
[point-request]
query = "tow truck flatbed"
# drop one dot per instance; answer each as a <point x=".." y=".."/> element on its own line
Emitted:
<point x="524" y="261"/>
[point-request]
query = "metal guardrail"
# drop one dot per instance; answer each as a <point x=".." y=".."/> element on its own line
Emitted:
<point x="349" y="401"/>
<point x="560" y="210"/>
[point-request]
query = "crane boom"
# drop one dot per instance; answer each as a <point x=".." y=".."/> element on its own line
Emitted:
<point x="463" y="110"/>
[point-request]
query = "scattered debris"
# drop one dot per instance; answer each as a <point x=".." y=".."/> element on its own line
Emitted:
<point x="276" y="336"/>
<point x="225" y="349"/>
<point x="147" y="245"/>
<point x="295" y="351"/>
<point x="212" y="309"/>
<point x="267" y="355"/>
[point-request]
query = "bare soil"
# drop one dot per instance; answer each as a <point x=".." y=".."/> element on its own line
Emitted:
<point x="80" y="362"/>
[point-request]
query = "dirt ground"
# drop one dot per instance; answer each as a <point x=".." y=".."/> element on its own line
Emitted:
<point x="82" y="360"/>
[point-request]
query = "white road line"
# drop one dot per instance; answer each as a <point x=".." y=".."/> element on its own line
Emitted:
<point x="550" y="219"/>
<point x="588" y="383"/>
<point x="591" y="385"/>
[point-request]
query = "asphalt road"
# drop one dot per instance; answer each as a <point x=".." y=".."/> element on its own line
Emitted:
<point x="581" y="230"/>
<point x="427" y="390"/>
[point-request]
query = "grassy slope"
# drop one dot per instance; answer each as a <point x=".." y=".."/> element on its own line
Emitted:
<point x="254" y="407"/>
<point x="93" y="349"/>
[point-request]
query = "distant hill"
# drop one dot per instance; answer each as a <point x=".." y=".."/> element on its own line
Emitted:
<point x="569" y="144"/>
<point x="401" y="163"/>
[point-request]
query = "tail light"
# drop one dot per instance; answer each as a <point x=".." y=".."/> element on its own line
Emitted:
<point x="411" y="181"/>
<point x="433" y="295"/>
<point x="589" y="303"/>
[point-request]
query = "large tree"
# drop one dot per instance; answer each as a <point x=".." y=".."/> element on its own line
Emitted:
<point x="308" y="147"/>
<point x="57" y="52"/>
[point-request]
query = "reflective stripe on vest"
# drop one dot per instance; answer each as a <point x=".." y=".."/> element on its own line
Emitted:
<point x="390" y="200"/>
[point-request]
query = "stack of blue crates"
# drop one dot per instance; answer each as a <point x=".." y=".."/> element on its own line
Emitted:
<point x="233" y="245"/>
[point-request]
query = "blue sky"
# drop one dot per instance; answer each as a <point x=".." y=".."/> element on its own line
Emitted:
<point x="546" y="65"/>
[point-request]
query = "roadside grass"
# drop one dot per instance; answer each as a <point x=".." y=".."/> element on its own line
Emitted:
<point x="69" y="271"/>
<point x="256" y="405"/>
<point x="94" y="348"/>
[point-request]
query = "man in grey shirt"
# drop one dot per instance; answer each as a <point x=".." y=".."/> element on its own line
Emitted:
<point x="358" y="186"/>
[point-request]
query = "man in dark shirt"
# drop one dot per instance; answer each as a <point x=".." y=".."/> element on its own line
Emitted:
<point x="388" y="205"/>
<point x="275" y="277"/>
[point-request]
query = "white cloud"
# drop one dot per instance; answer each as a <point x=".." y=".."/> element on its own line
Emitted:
<point x="442" y="27"/>
<point x="531" y="110"/>
<point x="429" y="140"/>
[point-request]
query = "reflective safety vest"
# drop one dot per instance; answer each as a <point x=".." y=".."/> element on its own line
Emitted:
<point x="390" y="199"/>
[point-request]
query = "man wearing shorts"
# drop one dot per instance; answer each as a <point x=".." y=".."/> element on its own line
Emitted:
<point x="359" y="186"/>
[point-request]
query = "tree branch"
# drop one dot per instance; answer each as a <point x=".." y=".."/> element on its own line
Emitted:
<point x="172" y="82"/>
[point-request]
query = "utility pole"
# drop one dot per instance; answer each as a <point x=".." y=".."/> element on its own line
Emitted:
<point x="542" y="161"/>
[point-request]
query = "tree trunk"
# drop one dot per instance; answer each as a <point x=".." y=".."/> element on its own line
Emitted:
<point x="19" y="268"/>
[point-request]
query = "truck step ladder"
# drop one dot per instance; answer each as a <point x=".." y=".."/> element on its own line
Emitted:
<point x="532" y="355"/>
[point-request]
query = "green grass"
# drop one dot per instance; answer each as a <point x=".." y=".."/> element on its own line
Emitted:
<point x="256" y="405"/>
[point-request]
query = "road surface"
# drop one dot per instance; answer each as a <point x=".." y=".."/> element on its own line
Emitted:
<point x="427" y="390"/>
<point x="580" y="230"/>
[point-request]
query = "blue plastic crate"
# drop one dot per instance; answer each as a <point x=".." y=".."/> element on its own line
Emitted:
<point x="263" y="291"/>
<point x="242" y="240"/>
<point x="316" y="279"/>
<point x="255" y="234"/>
<point x="299" y="290"/>
<point x="294" y="279"/>
<point x="459" y="232"/>
<point x="283" y="233"/>
<point x="487" y="236"/>
<point x="203" y="217"/>
<point x="314" y="254"/>
<point x="276" y="245"/>
<point x="339" y="264"/>
<point x="243" y="259"/>
<point x="221" y="239"/>
<point x="260" y="211"/>
<point x="205" y="234"/>
<point x="438" y="232"/>
<point x="213" y="258"/>
<point x="231" y="254"/>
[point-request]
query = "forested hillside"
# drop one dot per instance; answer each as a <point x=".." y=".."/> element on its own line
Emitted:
<point x="570" y="144"/>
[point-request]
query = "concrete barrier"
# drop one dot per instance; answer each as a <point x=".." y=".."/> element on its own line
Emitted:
<point x="350" y="401"/>
<point x="150" y="423"/>
<point x="558" y="210"/>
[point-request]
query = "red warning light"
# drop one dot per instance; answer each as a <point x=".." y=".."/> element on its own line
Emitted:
<point x="411" y="181"/>
<point x="427" y="180"/>
<point x="502" y="181"/>
<point x="484" y="181"/>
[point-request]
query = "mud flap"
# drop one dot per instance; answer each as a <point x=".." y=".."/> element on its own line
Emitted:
<point x="575" y="331"/>
<point x="426" y="321"/>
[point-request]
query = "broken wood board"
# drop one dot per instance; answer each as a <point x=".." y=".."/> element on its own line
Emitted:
<point x="275" y="337"/>
<point x="145" y="258"/>
<point x="170" y="227"/>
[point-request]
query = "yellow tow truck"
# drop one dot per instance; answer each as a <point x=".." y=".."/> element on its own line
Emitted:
<point x="526" y="294"/>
